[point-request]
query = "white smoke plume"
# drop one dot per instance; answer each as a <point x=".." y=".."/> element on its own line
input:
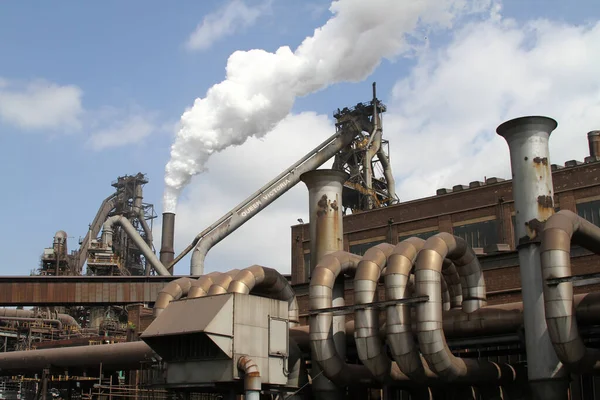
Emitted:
<point x="260" y="87"/>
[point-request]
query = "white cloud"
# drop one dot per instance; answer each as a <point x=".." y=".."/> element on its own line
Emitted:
<point x="442" y="122"/>
<point x="238" y="172"/>
<point x="40" y="105"/>
<point x="129" y="129"/>
<point x="225" y="22"/>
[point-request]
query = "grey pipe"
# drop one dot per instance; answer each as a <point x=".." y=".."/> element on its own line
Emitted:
<point x="119" y="356"/>
<point x="137" y="239"/>
<point x="244" y="211"/>
<point x="252" y="380"/>
<point x="533" y="193"/>
<point x="323" y="348"/>
<point x="138" y="209"/>
<point x="173" y="290"/>
<point x="432" y="340"/>
<point x="388" y="175"/>
<point x="106" y="207"/>
<point x="555" y="254"/>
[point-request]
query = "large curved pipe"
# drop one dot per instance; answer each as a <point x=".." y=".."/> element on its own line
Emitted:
<point x="65" y="319"/>
<point x="28" y="319"/>
<point x="555" y="254"/>
<point x="428" y="278"/>
<point x="388" y="175"/>
<point x="252" y="380"/>
<point x="398" y="327"/>
<point x="138" y="209"/>
<point x="221" y="282"/>
<point x="321" y="339"/>
<point x="173" y="290"/>
<point x="269" y="279"/>
<point x="107" y="231"/>
<point x="373" y="147"/>
<point x="366" y="334"/>
<point x="201" y="286"/>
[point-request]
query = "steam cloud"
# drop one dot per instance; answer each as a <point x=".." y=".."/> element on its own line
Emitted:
<point x="260" y="87"/>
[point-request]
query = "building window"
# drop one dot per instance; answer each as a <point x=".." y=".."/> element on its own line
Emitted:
<point x="422" y="235"/>
<point x="479" y="234"/>
<point x="590" y="211"/>
<point x="306" y="267"/>
<point x="361" y="249"/>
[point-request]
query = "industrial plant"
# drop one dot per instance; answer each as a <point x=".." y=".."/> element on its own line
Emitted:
<point x="487" y="290"/>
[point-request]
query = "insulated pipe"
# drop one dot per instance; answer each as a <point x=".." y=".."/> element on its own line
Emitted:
<point x="594" y="143"/>
<point x="201" y="286"/>
<point x="323" y="348"/>
<point x="269" y="279"/>
<point x="138" y="209"/>
<point x="252" y="380"/>
<point x="387" y="173"/>
<point x="247" y="209"/>
<point x="555" y="253"/>
<point x="173" y="290"/>
<point x="454" y="287"/>
<point x="118" y="356"/>
<point x="221" y="282"/>
<point x="533" y="193"/>
<point x="167" y="239"/>
<point x="366" y="334"/>
<point x="428" y="278"/>
<point x="399" y="333"/>
<point x="107" y="233"/>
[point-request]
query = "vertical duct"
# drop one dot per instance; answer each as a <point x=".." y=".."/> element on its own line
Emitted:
<point x="166" y="242"/>
<point x="533" y="193"/>
<point x="326" y="236"/>
<point x="594" y="143"/>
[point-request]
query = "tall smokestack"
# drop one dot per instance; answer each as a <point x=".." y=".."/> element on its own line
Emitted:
<point x="533" y="193"/>
<point x="166" y="246"/>
<point x="594" y="143"/>
<point x="327" y="236"/>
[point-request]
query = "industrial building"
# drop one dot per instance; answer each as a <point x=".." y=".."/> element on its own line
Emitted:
<point x="487" y="290"/>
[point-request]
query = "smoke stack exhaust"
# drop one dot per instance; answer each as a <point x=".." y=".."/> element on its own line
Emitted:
<point x="167" y="251"/>
<point x="325" y="208"/>
<point x="594" y="143"/>
<point x="533" y="193"/>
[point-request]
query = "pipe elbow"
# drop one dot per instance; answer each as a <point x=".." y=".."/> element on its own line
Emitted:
<point x="252" y="379"/>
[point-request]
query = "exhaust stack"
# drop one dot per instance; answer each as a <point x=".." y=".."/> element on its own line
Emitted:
<point x="594" y="144"/>
<point x="533" y="193"/>
<point x="167" y="252"/>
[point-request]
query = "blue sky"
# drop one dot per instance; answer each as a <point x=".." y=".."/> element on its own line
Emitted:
<point x="123" y="67"/>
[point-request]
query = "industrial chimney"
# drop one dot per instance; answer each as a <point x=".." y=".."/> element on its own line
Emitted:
<point x="327" y="236"/>
<point x="533" y="193"/>
<point x="325" y="209"/>
<point x="594" y="143"/>
<point x="167" y="251"/>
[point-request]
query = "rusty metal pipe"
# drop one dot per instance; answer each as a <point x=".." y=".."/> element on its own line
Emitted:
<point x="533" y="193"/>
<point x="247" y="209"/>
<point x="29" y="319"/>
<point x="167" y="240"/>
<point x="252" y="380"/>
<point x="107" y="231"/>
<point x="65" y="319"/>
<point x="173" y="290"/>
<point x="555" y="252"/>
<point x="119" y="356"/>
<point x="138" y="209"/>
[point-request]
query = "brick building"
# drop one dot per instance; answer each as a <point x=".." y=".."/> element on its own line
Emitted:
<point x="482" y="213"/>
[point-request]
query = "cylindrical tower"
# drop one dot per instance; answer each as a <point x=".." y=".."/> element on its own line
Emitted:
<point x="594" y="143"/>
<point x="533" y="193"/>
<point x="167" y="251"/>
<point x="327" y="236"/>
